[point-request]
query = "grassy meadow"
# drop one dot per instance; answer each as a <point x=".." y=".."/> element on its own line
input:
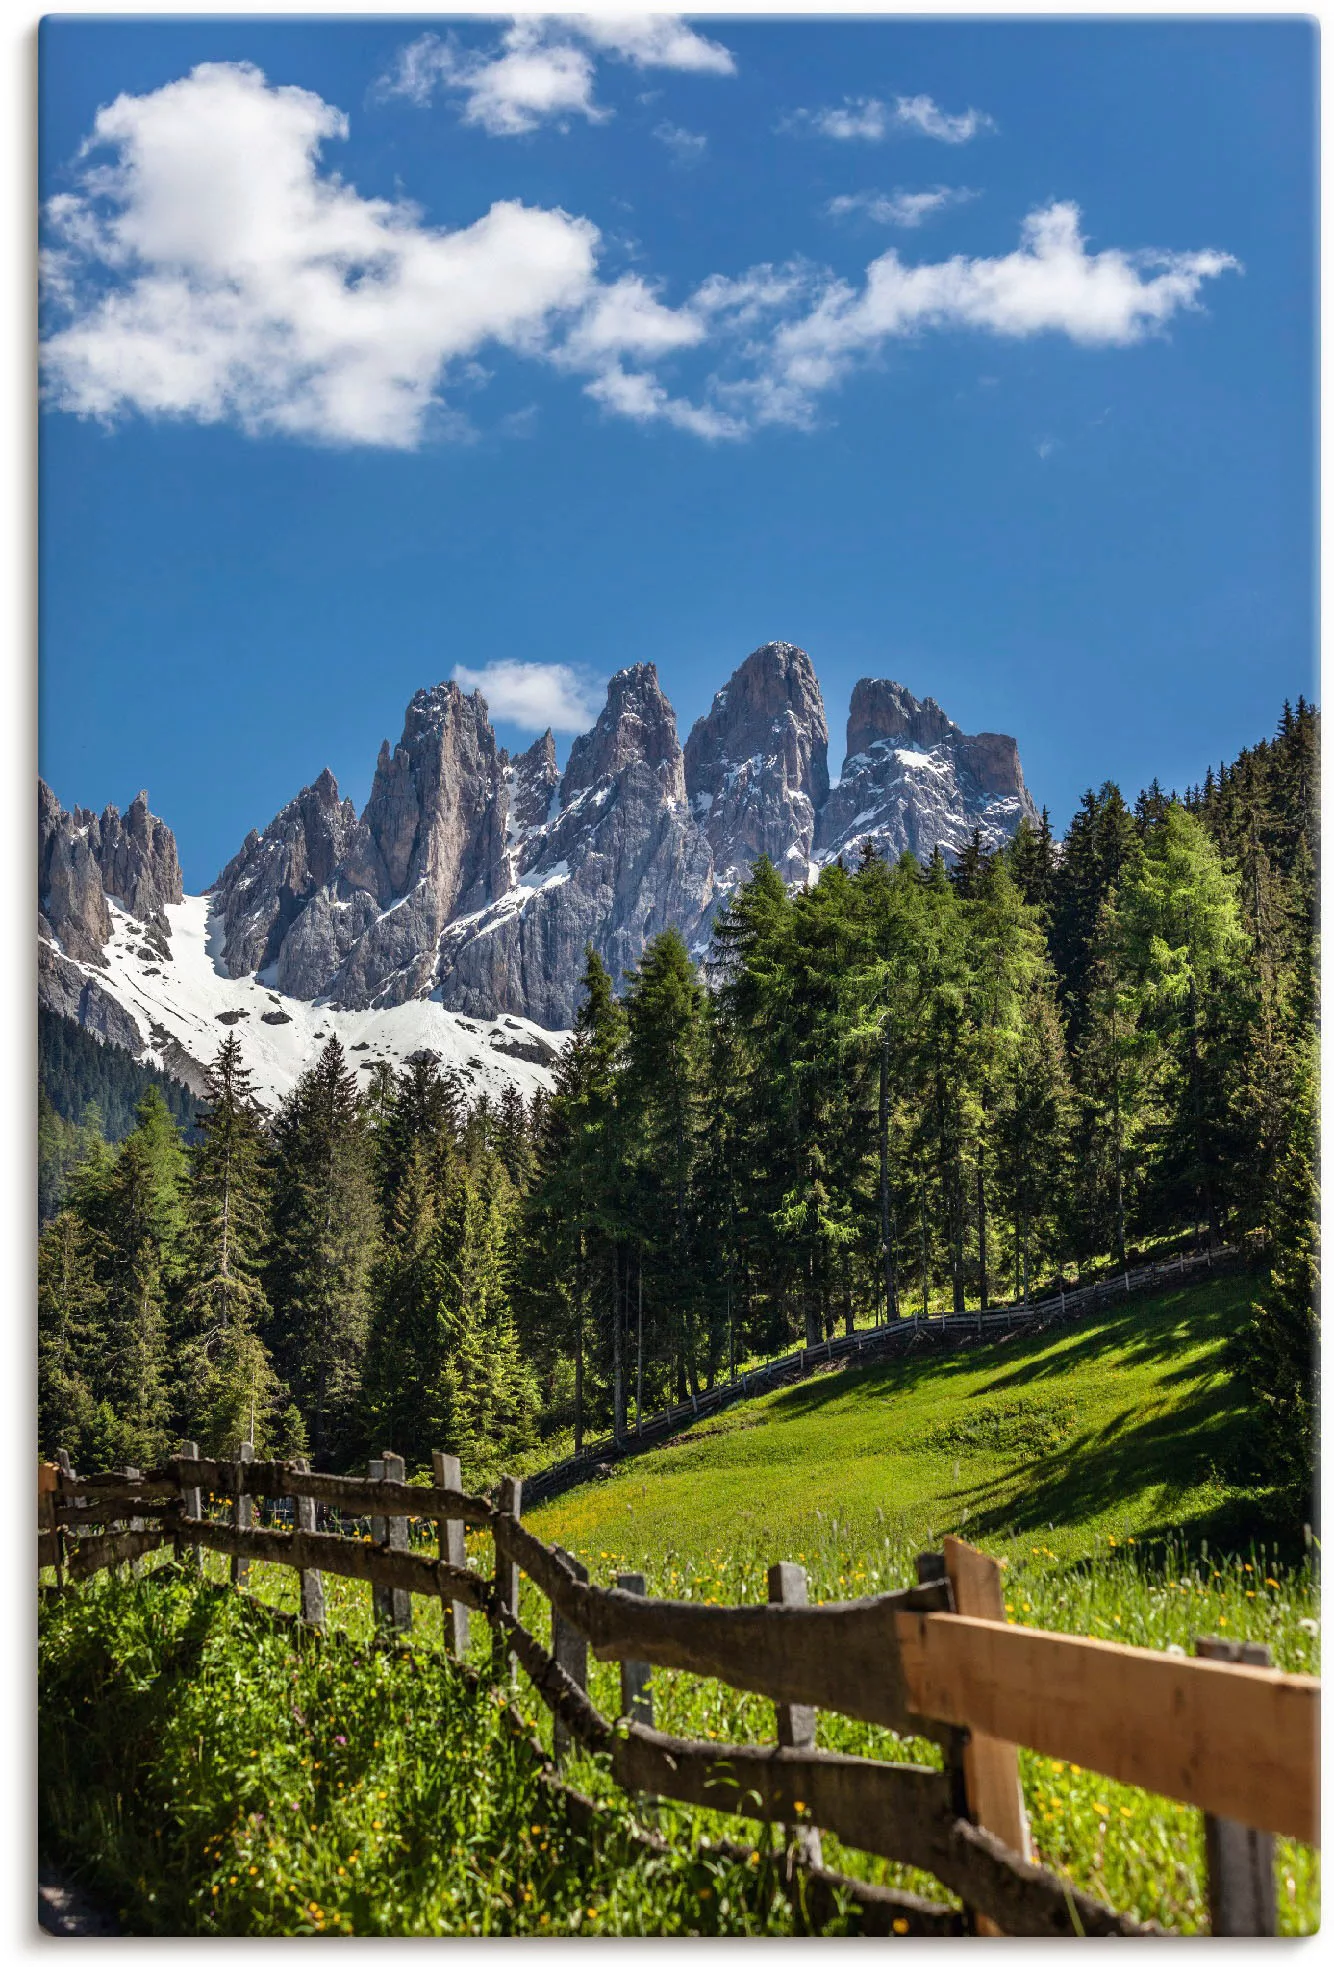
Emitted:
<point x="1098" y="1461"/>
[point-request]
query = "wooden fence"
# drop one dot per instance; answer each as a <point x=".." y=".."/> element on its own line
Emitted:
<point x="1222" y="1731"/>
<point x="875" y="1343"/>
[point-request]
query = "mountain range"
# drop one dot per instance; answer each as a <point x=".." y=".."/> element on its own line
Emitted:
<point x="456" y="908"/>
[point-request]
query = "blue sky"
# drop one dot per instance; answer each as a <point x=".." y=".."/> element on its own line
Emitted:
<point x="379" y="349"/>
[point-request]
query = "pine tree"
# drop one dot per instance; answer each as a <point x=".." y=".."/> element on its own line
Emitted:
<point x="324" y="1218"/>
<point x="1276" y="1354"/>
<point x="71" y="1297"/>
<point x="229" y="1390"/>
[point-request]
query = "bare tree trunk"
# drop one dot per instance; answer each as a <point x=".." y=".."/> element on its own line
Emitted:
<point x="617" y="1348"/>
<point x="639" y="1347"/>
<point x="982" y="1231"/>
<point x="886" y="1219"/>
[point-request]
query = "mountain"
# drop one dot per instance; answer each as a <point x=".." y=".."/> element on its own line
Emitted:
<point x="464" y="897"/>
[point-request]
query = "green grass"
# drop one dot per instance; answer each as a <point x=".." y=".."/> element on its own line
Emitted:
<point x="209" y="1775"/>
<point x="1097" y="1462"/>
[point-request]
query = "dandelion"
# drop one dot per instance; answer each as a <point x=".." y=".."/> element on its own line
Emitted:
<point x="900" y="1925"/>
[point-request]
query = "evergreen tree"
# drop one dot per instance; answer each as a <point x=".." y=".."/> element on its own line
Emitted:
<point x="1276" y="1354"/>
<point x="324" y="1219"/>
<point x="229" y="1390"/>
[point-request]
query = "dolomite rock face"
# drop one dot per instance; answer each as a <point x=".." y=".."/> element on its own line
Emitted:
<point x="480" y="880"/>
<point x="83" y="858"/>
<point x="757" y="765"/>
<point x="912" y="780"/>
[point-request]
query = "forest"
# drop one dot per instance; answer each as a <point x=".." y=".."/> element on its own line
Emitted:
<point x="904" y="1088"/>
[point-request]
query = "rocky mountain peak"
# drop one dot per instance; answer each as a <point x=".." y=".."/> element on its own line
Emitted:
<point x="636" y="726"/>
<point x="757" y="764"/>
<point x="881" y="710"/>
<point x="535" y="776"/>
<point x="912" y="780"/>
<point x="86" y="858"/>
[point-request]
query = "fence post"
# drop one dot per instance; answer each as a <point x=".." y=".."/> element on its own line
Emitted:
<point x="570" y="1650"/>
<point x="136" y="1564"/>
<point x="191" y="1505"/>
<point x="509" y="1502"/>
<point x="453" y="1550"/>
<point x="1239" y="1861"/>
<point x="390" y="1607"/>
<point x="312" y="1582"/>
<point x="48" y="1475"/>
<point x="796" y="1725"/>
<point x="242" y="1516"/>
<point x="636" y="1694"/>
<point x="990" y="1767"/>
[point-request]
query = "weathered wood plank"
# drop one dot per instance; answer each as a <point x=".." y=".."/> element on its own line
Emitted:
<point x="346" y="1557"/>
<point x="897" y="1810"/>
<point x="842" y="1656"/>
<point x="1239" y="1861"/>
<point x="106" y="1504"/>
<point x="1239" y="1741"/>
<point x="990" y="1768"/>
<point x="116" y="1510"/>
<point x="795" y="1722"/>
<point x="510" y="1501"/>
<point x="312" y="1580"/>
<point x="636" y="1677"/>
<point x="569" y="1650"/>
<point x="351" y="1493"/>
<point x="93" y="1554"/>
<point x="242" y="1519"/>
<point x="453" y="1550"/>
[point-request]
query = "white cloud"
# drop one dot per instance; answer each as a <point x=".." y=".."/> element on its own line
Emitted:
<point x="539" y="72"/>
<point x="922" y="114"/>
<point x="536" y="695"/>
<point x="653" y="41"/>
<point x="643" y="399"/>
<point x="211" y="270"/>
<point x="207" y="264"/>
<point x="866" y="119"/>
<point x="1051" y="285"/>
<point x="626" y="318"/>
<point x="908" y="209"/>
<point x="686" y="146"/>
<point x="858" y="118"/>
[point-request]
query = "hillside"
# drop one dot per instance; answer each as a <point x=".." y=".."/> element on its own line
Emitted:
<point x="1124" y="1425"/>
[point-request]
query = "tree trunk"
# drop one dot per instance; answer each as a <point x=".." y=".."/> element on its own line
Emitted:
<point x="639" y="1347"/>
<point x="982" y="1231"/>
<point x="617" y="1348"/>
<point x="1203" y="1185"/>
<point x="886" y="1220"/>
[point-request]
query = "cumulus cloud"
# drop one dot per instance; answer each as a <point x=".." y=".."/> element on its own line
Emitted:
<point x="1052" y="284"/>
<point x="211" y="270"/>
<point x="507" y="92"/>
<point x="686" y="146"/>
<point x="920" y="113"/>
<point x="542" y="69"/>
<point x="866" y="119"/>
<point x="653" y="41"/>
<point x="907" y="209"/>
<point x="536" y="696"/>
<point x="208" y="264"/>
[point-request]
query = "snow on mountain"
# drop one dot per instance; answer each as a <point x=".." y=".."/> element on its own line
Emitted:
<point x="184" y="1004"/>
<point x="461" y="902"/>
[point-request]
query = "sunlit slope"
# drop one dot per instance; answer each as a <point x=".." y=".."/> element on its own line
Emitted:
<point x="1122" y="1425"/>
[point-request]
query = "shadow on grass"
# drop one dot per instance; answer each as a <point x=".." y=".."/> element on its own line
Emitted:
<point x="1143" y="1332"/>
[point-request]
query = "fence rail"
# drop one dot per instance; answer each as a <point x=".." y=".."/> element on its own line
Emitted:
<point x="875" y="1342"/>
<point x="934" y="1661"/>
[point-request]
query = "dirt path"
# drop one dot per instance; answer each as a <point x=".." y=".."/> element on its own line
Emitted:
<point x="66" y="1909"/>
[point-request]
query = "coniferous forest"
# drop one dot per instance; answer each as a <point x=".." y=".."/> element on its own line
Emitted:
<point x="907" y="1087"/>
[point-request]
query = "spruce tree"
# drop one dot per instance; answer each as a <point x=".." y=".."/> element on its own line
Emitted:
<point x="229" y="1391"/>
<point x="324" y="1219"/>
